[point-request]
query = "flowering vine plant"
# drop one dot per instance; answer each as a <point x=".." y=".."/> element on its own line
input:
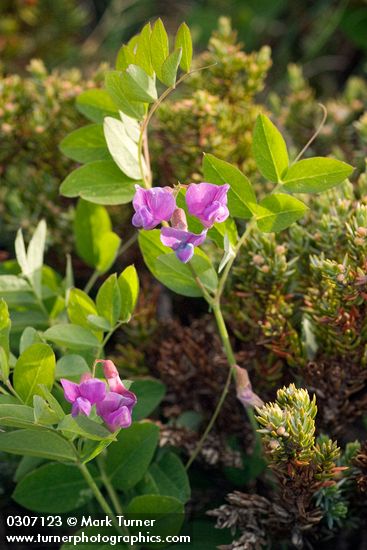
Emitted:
<point x="203" y="226"/>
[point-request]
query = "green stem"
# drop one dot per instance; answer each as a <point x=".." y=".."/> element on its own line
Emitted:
<point x="143" y="138"/>
<point x="91" y="281"/>
<point x="223" y="332"/>
<point x="214" y="417"/>
<point x="106" y="338"/>
<point x="228" y="267"/>
<point x="100" y="498"/>
<point x="125" y="246"/>
<point x="109" y="487"/>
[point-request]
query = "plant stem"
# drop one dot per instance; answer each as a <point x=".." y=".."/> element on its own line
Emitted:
<point x="143" y="138"/>
<point x="125" y="246"/>
<point x="100" y="499"/>
<point x="314" y="135"/>
<point x="228" y="267"/>
<point x="106" y="338"/>
<point x="223" y="332"/>
<point x="214" y="417"/>
<point x="109" y="487"/>
<point x="91" y="281"/>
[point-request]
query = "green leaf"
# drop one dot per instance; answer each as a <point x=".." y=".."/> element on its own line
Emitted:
<point x="129" y="458"/>
<point x="90" y="222"/>
<point x="114" y="86"/>
<point x="79" y="306"/>
<point x="108" y="247"/>
<point x="33" y="491"/>
<point x="109" y="300"/>
<point x="36" y="365"/>
<point x="168" y="476"/>
<point x="128" y="282"/>
<point x="100" y="182"/>
<point x="184" y="41"/>
<point x="170" y="67"/>
<point x="42" y="443"/>
<point x="229" y="253"/>
<point x="99" y="323"/>
<point x="270" y="149"/>
<point x="241" y="196"/>
<point x="36" y="246"/>
<point x="85" y="427"/>
<point x="16" y="291"/>
<point x="16" y="416"/>
<point x="86" y="144"/>
<point x="177" y="276"/>
<point x="5" y="325"/>
<point x="71" y="366"/>
<point x="43" y="413"/>
<point x="72" y="337"/>
<point x="142" y="55"/>
<point x="123" y="149"/>
<point x="52" y="401"/>
<point x="4" y="364"/>
<point x="315" y="175"/>
<point x="125" y="57"/>
<point x="26" y="465"/>
<point x="21" y="253"/>
<point x="96" y="104"/>
<point x="159" y="46"/>
<point x="168" y="513"/>
<point x="138" y="85"/>
<point x="29" y="336"/>
<point x="277" y="212"/>
<point x="149" y="393"/>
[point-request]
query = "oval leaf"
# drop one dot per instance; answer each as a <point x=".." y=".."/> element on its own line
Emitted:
<point x="100" y="182"/>
<point x="241" y="195"/>
<point x="42" y="443"/>
<point x="184" y="41"/>
<point x="86" y="144"/>
<point x="277" y="212"/>
<point x="315" y="175"/>
<point x="128" y="459"/>
<point x="36" y="365"/>
<point x="33" y="491"/>
<point x="270" y="149"/>
<point x="170" y="271"/>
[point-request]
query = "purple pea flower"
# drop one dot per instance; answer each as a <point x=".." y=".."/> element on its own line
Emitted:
<point x="152" y="206"/>
<point x="84" y="395"/>
<point x="114" y="381"/>
<point x="115" y="409"/>
<point x="182" y="242"/>
<point x="208" y="202"/>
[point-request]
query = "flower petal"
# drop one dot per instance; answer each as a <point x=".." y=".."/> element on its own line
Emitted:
<point x="185" y="253"/>
<point x="94" y="390"/>
<point x="81" y="406"/>
<point x="71" y="390"/>
<point x="118" y="419"/>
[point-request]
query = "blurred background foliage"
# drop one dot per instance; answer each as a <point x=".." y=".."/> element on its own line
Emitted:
<point x="328" y="36"/>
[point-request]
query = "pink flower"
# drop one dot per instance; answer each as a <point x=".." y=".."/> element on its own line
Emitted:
<point x="84" y="395"/>
<point x="152" y="206"/>
<point x="116" y="409"/>
<point x="208" y="202"/>
<point x="182" y="242"/>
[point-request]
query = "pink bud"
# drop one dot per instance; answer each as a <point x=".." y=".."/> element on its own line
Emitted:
<point x="109" y="369"/>
<point x="244" y="389"/>
<point x="178" y="220"/>
<point x="112" y="376"/>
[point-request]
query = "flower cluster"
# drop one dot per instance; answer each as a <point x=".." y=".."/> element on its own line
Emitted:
<point x="205" y="201"/>
<point x="114" y="405"/>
